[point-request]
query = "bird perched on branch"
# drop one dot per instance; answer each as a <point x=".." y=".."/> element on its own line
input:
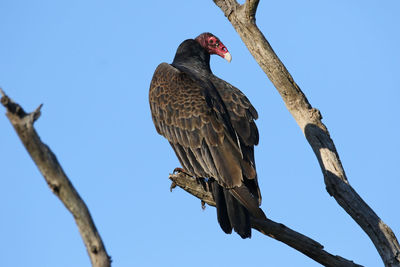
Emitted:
<point x="210" y="125"/>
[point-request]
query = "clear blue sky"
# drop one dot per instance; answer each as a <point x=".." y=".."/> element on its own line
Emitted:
<point x="90" y="63"/>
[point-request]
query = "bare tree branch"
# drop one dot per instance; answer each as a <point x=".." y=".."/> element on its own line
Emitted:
<point x="200" y="189"/>
<point x="57" y="180"/>
<point x="251" y="9"/>
<point x="242" y="18"/>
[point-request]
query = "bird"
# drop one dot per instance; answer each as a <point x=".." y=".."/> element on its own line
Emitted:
<point x="210" y="124"/>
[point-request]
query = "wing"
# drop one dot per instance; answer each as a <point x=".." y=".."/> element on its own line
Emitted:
<point x="183" y="112"/>
<point x="242" y="115"/>
<point x="241" y="112"/>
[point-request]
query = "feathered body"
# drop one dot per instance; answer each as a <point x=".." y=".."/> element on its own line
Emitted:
<point x="210" y="125"/>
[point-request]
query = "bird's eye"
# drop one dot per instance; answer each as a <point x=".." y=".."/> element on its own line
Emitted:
<point x="212" y="41"/>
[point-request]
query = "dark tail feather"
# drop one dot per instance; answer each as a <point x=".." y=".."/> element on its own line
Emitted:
<point x="222" y="213"/>
<point x="230" y="212"/>
<point x="238" y="215"/>
<point x="243" y="195"/>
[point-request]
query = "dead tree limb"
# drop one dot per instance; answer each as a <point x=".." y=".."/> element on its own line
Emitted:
<point x="242" y="18"/>
<point x="200" y="189"/>
<point x="55" y="177"/>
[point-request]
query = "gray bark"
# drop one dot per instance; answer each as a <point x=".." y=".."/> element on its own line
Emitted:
<point x="242" y="18"/>
<point x="57" y="180"/>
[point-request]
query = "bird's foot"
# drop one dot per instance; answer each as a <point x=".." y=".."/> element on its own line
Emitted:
<point x="180" y="170"/>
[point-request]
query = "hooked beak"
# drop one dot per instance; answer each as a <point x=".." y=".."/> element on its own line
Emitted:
<point x="228" y="57"/>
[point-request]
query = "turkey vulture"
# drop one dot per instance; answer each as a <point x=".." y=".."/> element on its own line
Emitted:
<point x="210" y="125"/>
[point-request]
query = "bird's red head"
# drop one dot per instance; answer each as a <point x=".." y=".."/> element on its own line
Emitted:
<point x="213" y="45"/>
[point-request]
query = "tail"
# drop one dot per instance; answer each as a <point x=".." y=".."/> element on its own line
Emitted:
<point x="234" y="208"/>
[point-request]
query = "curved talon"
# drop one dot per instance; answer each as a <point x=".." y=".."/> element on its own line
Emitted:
<point x="180" y="170"/>
<point x="173" y="185"/>
<point x="177" y="170"/>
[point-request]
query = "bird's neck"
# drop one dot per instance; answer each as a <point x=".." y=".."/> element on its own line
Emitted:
<point x="190" y="55"/>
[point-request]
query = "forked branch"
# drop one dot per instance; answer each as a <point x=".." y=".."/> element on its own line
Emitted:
<point x="242" y="18"/>
<point x="57" y="180"/>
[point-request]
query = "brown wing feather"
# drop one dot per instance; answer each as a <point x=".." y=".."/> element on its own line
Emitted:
<point x="201" y="142"/>
<point x="242" y="115"/>
<point x="241" y="112"/>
